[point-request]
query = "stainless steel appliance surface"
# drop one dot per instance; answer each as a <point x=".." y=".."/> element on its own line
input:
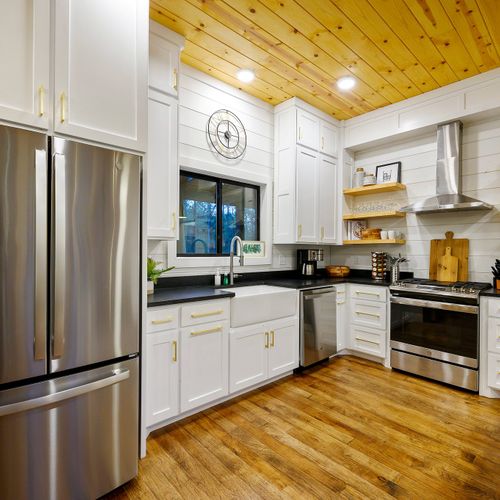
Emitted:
<point x="69" y="305"/>
<point x="435" y="330"/>
<point x="318" y="324"/>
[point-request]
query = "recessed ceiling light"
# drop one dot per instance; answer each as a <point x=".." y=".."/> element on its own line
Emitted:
<point x="346" y="83"/>
<point x="245" y="75"/>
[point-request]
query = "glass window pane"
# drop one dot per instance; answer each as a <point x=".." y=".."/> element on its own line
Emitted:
<point x="239" y="214"/>
<point x="197" y="216"/>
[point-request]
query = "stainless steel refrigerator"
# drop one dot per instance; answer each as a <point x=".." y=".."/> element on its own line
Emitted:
<point x="69" y="317"/>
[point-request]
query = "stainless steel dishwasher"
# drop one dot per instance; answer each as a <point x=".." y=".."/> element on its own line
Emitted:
<point x="318" y="324"/>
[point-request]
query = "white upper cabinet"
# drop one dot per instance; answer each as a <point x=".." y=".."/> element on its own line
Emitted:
<point x="327" y="205"/>
<point x="24" y="62"/>
<point x="100" y="81"/>
<point x="307" y="202"/>
<point x="327" y="138"/>
<point x="165" y="47"/>
<point x="163" y="169"/>
<point x="307" y="129"/>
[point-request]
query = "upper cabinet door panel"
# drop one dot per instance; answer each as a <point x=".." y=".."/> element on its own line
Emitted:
<point x="24" y="61"/>
<point x="307" y="130"/>
<point x="328" y="138"/>
<point x="163" y="65"/>
<point x="101" y="50"/>
<point x="307" y="206"/>
<point x="327" y="200"/>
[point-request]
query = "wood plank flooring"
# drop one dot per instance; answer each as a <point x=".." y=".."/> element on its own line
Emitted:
<point x="348" y="429"/>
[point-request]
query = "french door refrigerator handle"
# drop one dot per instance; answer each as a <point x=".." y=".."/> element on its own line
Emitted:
<point x="60" y="254"/>
<point x="41" y="214"/>
<point x="55" y="397"/>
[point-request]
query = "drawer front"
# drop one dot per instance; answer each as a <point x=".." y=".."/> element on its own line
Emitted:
<point x="368" y="340"/>
<point x="162" y="318"/>
<point x="197" y="313"/>
<point x="494" y="307"/>
<point x="369" y="313"/>
<point x="494" y="371"/>
<point x="494" y="335"/>
<point x="368" y="292"/>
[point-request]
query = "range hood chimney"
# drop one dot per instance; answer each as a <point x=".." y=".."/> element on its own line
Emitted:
<point x="449" y="197"/>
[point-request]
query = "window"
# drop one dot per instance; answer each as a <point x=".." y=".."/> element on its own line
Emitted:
<point x="212" y="211"/>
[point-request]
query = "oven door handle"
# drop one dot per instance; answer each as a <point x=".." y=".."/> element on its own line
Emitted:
<point x="430" y="304"/>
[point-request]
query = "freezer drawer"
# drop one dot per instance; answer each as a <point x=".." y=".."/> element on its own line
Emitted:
<point x="72" y="437"/>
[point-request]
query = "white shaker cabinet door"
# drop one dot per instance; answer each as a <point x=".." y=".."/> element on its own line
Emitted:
<point x="162" y="376"/>
<point x="327" y="200"/>
<point x="307" y="204"/>
<point x="307" y="129"/>
<point x="24" y="62"/>
<point x="328" y="138"/>
<point x="162" y="167"/>
<point x="101" y="71"/>
<point x="204" y="364"/>
<point x="283" y="347"/>
<point x="248" y="347"/>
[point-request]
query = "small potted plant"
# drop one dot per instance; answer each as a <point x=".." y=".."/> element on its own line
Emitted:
<point x="154" y="273"/>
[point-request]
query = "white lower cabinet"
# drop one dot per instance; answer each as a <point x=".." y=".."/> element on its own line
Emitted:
<point x="162" y="376"/>
<point x="203" y="364"/>
<point x="342" y="333"/>
<point x="368" y="340"/>
<point x="493" y="371"/>
<point x="262" y="351"/>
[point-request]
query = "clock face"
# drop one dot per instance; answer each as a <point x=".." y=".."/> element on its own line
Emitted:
<point x="227" y="134"/>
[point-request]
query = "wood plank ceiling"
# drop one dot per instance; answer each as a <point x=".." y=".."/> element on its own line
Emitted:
<point x="394" y="48"/>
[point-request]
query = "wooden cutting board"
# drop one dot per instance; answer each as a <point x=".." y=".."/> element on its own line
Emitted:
<point x="447" y="268"/>
<point x="459" y="249"/>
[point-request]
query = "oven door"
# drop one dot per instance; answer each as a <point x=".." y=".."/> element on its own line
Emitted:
<point x="438" y="330"/>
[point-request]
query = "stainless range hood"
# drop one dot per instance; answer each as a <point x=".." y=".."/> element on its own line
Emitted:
<point x="449" y="197"/>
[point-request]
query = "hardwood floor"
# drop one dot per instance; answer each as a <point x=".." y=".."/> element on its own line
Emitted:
<point x="349" y="429"/>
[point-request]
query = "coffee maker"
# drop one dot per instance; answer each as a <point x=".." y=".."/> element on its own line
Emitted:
<point x="307" y="261"/>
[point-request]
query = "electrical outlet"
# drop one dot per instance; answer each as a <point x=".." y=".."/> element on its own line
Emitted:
<point x="282" y="260"/>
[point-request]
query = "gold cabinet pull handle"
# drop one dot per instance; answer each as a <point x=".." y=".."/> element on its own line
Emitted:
<point x="174" y="349"/>
<point x="174" y="221"/>
<point x="267" y="341"/>
<point x="299" y="231"/>
<point x="208" y="313"/>
<point x="358" y="292"/>
<point x="322" y="143"/>
<point x="300" y="133"/>
<point x="272" y="338"/>
<point x="369" y="341"/>
<point x="162" y="321"/>
<point x="322" y="233"/>
<point x="176" y="79"/>
<point x="376" y="315"/>
<point x="194" y="333"/>
<point x="62" y="104"/>
<point x="41" y="100"/>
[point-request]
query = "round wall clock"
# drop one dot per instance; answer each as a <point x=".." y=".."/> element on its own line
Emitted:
<point x="227" y="134"/>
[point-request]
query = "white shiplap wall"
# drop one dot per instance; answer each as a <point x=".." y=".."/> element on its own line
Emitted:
<point x="199" y="96"/>
<point x="481" y="179"/>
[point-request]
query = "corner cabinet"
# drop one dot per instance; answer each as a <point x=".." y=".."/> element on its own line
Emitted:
<point x="306" y="187"/>
<point x="162" y="154"/>
<point x="101" y="65"/>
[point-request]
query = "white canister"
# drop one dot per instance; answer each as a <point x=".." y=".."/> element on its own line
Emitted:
<point x="358" y="177"/>
<point x="383" y="235"/>
<point x="391" y="235"/>
<point x="369" y="180"/>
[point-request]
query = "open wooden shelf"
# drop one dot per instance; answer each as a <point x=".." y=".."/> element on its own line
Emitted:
<point x="374" y="242"/>
<point x="371" y="215"/>
<point x="376" y="188"/>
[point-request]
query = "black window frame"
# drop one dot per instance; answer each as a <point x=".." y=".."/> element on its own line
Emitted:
<point x="218" y="200"/>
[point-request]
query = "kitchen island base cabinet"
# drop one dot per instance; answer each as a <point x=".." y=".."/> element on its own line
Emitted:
<point x="162" y="376"/>
<point x="263" y="351"/>
<point x="204" y="364"/>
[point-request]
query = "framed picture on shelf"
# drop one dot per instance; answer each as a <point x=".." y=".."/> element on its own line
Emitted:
<point x="390" y="172"/>
<point x="355" y="227"/>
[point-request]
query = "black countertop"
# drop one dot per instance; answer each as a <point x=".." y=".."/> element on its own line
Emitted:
<point x="178" y="290"/>
<point x="491" y="292"/>
<point x="176" y="295"/>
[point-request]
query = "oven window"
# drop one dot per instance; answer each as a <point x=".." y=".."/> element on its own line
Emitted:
<point x="447" y="331"/>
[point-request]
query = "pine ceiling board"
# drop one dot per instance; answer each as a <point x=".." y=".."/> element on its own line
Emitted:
<point x="432" y="17"/>
<point x="490" y="12"/>
<point x="374" y="26"/>
<point x="291" y="37"/>
<point x="397" y="15"/>
<point x="275" y="94"/>
<point x="311" y="92"/>
<point x="308" y="18"/>
<point x="468" y="21"/>
<point x="270" y="53"/>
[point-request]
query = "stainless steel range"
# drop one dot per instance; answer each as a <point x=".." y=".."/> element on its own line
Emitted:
<point x="435" y="330"/>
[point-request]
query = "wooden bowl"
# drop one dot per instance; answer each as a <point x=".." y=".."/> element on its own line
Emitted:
<point x="337" y="271"/>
